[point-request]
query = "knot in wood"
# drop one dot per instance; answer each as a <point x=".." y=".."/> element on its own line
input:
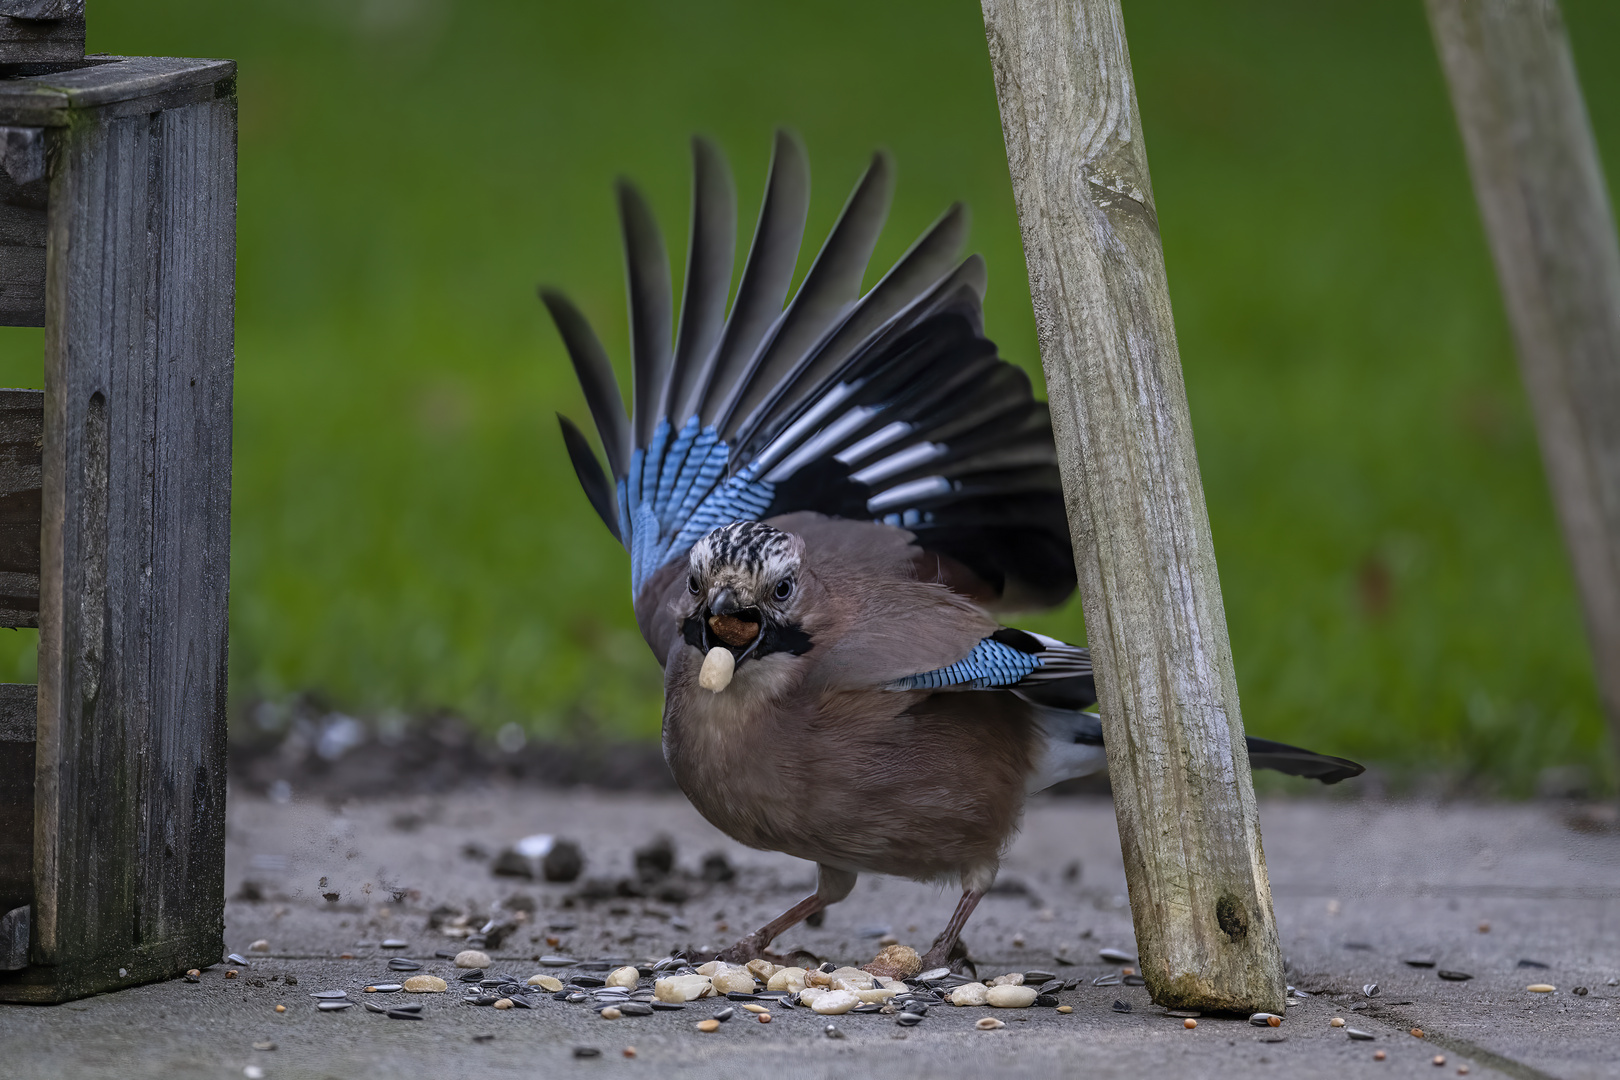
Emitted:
<point x="1233" y="917"/>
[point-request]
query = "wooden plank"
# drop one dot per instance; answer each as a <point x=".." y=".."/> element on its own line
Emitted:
<point x="1541" y="191"/>
<point x="24" y="190"/>
<point x="115" y="85"/>
<point x="1188" y="822"/>
<point x="42" y="9"/>
<point x="18" y="703"/>
<point x="22" y="422"/>
<point x="39" y="38"/>
<point x="129" y="834"/>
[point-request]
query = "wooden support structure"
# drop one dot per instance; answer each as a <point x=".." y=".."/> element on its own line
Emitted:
<point x="117" y="234"/>
<point x="1540" y="187"/>
<point x="1188" y="823"/>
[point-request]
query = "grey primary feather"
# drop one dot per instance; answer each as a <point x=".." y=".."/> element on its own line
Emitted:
<point x="647" y="285"/>
<point x="709" y="259"/>
<point x="766" y="275"/>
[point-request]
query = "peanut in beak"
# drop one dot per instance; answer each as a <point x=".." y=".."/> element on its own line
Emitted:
<point x="718" y="667"/>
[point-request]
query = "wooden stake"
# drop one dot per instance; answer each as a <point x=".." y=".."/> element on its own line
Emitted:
<point x="1176" y="757"/>
<point x="1541" y="193"/>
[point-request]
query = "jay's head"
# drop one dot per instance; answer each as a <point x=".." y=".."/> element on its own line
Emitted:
<point x="744" y="585"/>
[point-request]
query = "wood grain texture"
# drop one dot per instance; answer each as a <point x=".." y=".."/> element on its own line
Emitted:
<point x="1157" y="628"/>
<point x="40" y="39"/>
<point x="22" y="431"/>
<point x="135" y="545"/>
<point x="17" y="707"/>
<point x="42" y="9"/>
<point x="1541" y="192"/>
<point x="114" y="86"/>
<point x="24" y="193"/>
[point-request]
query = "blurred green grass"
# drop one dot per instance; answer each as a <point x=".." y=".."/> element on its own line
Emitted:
<point x="408" y="535"/>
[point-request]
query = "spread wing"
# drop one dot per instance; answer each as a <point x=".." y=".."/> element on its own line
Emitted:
<point x="889" y="406"/>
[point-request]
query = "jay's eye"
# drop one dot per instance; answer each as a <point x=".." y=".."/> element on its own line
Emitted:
<point x="784" y="588"/>
<point x="691" y="585"/>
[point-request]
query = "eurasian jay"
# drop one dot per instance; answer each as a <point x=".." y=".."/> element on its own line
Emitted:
<point x="824" y="503"/>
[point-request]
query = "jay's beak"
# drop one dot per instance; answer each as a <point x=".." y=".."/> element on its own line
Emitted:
<point x="740" y="629"/>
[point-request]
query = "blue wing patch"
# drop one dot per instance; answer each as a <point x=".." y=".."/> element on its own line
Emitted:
<point x="990" y="664"/>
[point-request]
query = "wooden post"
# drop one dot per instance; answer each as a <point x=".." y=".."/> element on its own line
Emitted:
<point x="1156" y="626"/>
<point x="133" y="208"/>
<point x="1541" y="192"/>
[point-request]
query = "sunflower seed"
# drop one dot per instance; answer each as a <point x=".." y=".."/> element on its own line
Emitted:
<point x="576" y="996"/>
<point x="1531" y="964"/>
<point x="396" y="943"/>
<point x="1134" y="980"/>
<point x="445" y="954"/>
<point x="413" y="1008"/>
<point x="666" y="1006"/>
<point x="1046" y="1001"/>
<point x="1454" y="976"/>
<point x="1419" y="961"/>
<point x="590" y="981"/>
<point x="1106" y="980"/>
<point x="931" y="975"/>
<point x="1371" y="990"/>
<point x="1117" y="956"/>
<point x="587" y="1052"/>
<point x="867" y="1007"/>
<point x="1358" y="1034"/>
<point x="1122" y="1006"/>
<point x="329" y="995"/>
<point x="1038" y="976"/>
<point x="471" y="975"/>
<point x="557" y="961"/>
<point x="636" y="1008"/>
<point x="239" y="960"/>
<point x="908" y="1019"/>
<point x="333" y="1006"/>
<point x="403" y="1014"/>
<point x="400" y="963"/>
<point x="725" y="1014"/>
<point x="374" y="1008"/>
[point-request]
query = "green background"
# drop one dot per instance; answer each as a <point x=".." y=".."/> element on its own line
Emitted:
<point x="410" y="539"/>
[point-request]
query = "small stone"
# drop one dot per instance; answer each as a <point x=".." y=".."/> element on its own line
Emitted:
<point x="735" y="981"/>
<point x="790" y="979"/>
<point x="1011" y="997"/>
<point x="989" y="1023"/>
<point x="503" y="1003"/>
<point x="194" y="975"/>
<point x="1438" y="1060"/>
<point x="683" y="988"/>
<point x="896" y="962"/>
<point x="1337" y="1021"/>
<point x="835" y="1002"/>
<point x="629" y="1051"/>
<point x="1378" y="1055"/>
<point x="1417" y="1033"/>
<point x="563" y="862"/>
<point x="253" y="1072"/>
<point x="624" y="976"/>
<point x="1018" y="941"/>
<point x="425" y="984"/>
<point x="231" y="974"/>
<point x="281" y="1008"/>
<point x="609" y="1013"/>
<point x="1580" y="991"/>
<point x="1189" y="1023"/>
<point x="1116" y="956"/>
<point x="1484" y="927"/>
<point x="832" y="1032"/>
<point x="765" y="1018"/>
<point x="1454" y="976"/>
<point x="725" y="1014"/>
<point x="973" y="993"/>
<point x="708" y="1025"/>
<point x="259" y="946"/>
<point x="1541" y="988"/>
<point x="1012" y="979"/>
<point x="1462" y="1070"/>
<point x="472" y="958"/>
<point x="1065" y="1009"/>
<point x="511" y="862"/>
<point x="1358" y="1034"/>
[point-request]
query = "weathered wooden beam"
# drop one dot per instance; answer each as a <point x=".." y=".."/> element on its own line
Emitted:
<point x="135" y="523"/>
<point x="1540" y="187"/>
<point x="22" y="434"/>
<point x="1154" y="618"/>
<point x="18" y="702"/>
<point x="36" y="32"/>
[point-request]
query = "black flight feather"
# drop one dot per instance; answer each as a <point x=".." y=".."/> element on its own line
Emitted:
<point x="598" y="488"/>
<point x="646" y="266"/>
<point x="709" y="259"/>
<point x="596" y="379"/>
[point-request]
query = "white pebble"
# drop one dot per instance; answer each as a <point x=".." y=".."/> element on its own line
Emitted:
<point x="973" y="993"/>
<point x="1011" y="997"/>
<point x="1011" y="979"/>
<point x="790" y="979"/>
<point x="472" y="958"/>
<point x="682" y="988"/>
<point x="625" y="976"/>
<point x="835" y="1002"/>
<point x="735" y="981"/>
<point x="717" y="670"/>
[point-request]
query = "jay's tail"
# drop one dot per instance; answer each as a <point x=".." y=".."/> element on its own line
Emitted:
<point x="889" y="406"/>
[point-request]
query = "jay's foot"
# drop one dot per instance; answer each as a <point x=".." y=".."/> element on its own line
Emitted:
<point x="953" y="956"/>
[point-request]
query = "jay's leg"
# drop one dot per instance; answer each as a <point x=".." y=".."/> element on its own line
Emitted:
<point x="939" y="955"/>
<point x="832" y="885"/>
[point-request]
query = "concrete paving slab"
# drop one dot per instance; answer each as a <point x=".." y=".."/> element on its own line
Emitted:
<point x="1359" y="887"/>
